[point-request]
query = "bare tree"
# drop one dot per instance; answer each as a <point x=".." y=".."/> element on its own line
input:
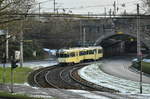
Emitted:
<point x="146" y="6"/>
<point x="9" y="9"/>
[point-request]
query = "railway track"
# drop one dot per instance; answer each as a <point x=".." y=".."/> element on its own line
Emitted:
<point x="37" y="77"/>
<point x="63" y="77"/>
<point x="53" y="77"/>
<point x="40" y="80"/>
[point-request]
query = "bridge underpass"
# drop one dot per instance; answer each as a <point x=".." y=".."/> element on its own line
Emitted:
<point x="117" y="45"/>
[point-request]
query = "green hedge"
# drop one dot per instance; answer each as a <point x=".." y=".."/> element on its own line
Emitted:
<point x="146" y="67"/>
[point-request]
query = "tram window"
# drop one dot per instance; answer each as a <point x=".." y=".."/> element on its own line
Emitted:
<point x="91" y="51"/>
<point x="99" y="51"/>
<point x="82" y="53"/>
<point x="85" y="52"/>
<point x="72" y="54"/>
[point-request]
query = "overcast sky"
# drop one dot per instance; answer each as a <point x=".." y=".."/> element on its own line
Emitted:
<point x="91" y="6"/>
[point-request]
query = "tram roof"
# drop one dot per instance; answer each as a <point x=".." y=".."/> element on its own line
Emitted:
<point x="79" y="48"/>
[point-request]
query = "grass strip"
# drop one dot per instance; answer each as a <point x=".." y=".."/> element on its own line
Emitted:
<point x="16" y="96"/>
<point x="20" y="74"/>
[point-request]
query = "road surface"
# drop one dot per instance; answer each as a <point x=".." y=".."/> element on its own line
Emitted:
<point x="119" y="67"/>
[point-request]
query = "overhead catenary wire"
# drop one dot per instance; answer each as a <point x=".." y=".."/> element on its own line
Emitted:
<point x="84" y="7"/>
<point x="91" y="6"/>
<point x="61" y="8"/>
<point x="42" y="2"/>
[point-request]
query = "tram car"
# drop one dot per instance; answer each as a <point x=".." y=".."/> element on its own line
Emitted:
<point x="77" y="55"/>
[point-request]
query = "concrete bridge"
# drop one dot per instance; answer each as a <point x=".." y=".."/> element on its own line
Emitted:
<point x="99" y="32"/>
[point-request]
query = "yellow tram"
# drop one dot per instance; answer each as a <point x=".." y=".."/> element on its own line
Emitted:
<point x="77" y="55"/>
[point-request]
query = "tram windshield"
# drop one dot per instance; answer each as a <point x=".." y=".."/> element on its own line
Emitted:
<point x="63" y="55"/>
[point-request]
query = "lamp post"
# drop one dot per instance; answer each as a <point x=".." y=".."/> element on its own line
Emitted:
<point x="139" y="54"/>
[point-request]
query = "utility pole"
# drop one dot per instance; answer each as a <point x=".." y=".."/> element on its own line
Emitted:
<point x="4" y="68"/>
<point x="57" y="11"/>
<point x="54" y="6"/>
<point x="84" y="36"/>
<point x="105" y="12"/>
<point x="21" y="45"/>
<point x="105" y="20"/>
<point x="114" y="8"/>
<point x="88" y="14"/>
<point x="110" y="13"/>
<point x="7" y="49"/>
<point x="12" y="81"/>
<point x="39" y="9"/>
<point x="139" y="54"/>
<point x="39" y="17"/>
<point x="80" y="32"/>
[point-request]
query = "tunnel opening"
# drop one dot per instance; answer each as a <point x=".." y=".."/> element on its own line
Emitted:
<point x="119" y="45"/>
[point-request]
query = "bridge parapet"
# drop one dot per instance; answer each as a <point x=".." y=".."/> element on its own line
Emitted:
<point x="128" y="28"/>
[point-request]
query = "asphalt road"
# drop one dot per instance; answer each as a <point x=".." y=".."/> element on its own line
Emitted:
<point x="119" y="67"/>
